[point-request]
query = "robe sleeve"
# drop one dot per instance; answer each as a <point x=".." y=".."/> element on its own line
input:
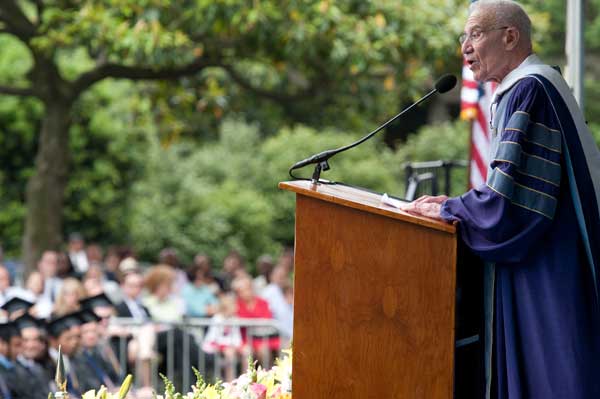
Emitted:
<point x="500" y="220"/>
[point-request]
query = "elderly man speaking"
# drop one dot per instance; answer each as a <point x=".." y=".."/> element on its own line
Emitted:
<point x="536" y="220"/>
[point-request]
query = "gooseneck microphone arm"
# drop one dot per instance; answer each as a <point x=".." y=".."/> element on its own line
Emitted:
<point x="444" y="84"/>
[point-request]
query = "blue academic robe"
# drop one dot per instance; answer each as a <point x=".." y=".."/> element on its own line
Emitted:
<point x="546" y="329"/>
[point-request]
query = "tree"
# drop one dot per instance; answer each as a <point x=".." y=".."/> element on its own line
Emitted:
<point x="227" y="196"/>
<point x="294" y="54"/>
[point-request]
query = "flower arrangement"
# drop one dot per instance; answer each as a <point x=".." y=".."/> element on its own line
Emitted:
<point x="255" y="383"/>
<point x="104" y="394"/>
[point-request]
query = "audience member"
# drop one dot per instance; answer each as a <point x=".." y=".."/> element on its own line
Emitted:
<point x="68" y="297"/>
<point x="35" y="346"/>
<point x="77" y="254"/>
<point x="260" y="340"/>
<point x="7" y="291"/>
<point x="34" y="290"/>
<point x="102" y="306"/>
<point x="165" y="308"/>
<point x="89" y="356"/>
<point x="264" y="266"/>
<point x="200" y="301"/>
<point x="225" y="339"/>
<point x="162" y="305"/>
<point x="94" y="255"/>
<point x="214" y="282"/>
<point x="48" y="268"/>
<point x="16" y="307"/>
<point x="132" y="285"/>
<point x="169" y="257"/>
<point x="287" y="260"/>
<point x="32" y="337"/>
<point x="274" y="295"/>
<point x="128" y="265"/>
<point x="233" y="267"/>
<point x="12" y="266"/>
<point x="142" y="338"/>
<point x="95" y="283"/>
<point x="13" y="384"/>
<point x="64" y="267"/>
<point x="111" y="264"/>
<point x="64" y="332"/>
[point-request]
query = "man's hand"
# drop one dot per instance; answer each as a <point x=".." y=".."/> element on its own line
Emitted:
<point x="426" y="206"/>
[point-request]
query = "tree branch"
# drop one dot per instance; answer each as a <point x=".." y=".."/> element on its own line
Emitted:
<point x="110" y="70"/>
<point x="17" y="91"/>
<point x="16" y="21"/>
<point x="39" y="5"/>
<point x="269" y="94"/>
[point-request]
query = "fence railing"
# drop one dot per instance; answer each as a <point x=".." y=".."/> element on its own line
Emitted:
<point x="147" y="349"/>
<point x="431" y="177"/>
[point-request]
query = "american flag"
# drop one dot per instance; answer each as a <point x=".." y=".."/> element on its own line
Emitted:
<point x="475" y="101"/>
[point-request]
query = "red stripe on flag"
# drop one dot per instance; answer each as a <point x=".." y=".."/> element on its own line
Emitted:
<point x="483" y="123"/>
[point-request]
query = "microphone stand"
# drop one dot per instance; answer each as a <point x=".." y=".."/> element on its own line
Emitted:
<point x="321" y="158"/>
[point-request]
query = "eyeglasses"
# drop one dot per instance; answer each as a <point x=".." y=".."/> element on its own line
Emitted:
<point x="476" y="34"/>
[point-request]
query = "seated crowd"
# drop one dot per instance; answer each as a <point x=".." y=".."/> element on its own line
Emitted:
<point x="109" y="315"/>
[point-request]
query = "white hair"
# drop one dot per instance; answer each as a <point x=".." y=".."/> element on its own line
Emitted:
<point x="505" y="12"/>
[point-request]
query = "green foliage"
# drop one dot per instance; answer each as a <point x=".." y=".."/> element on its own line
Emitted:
<point x="15" y="60"/>
<point x="159" y="164"/>
<point x="592" y="20"/>
<point x="18" y="122"/>
<point x="223" y="195"/>
<point x="447" y="141"/>
<point x="170" y="388"/>
<point x="107" y="148"/>
<point x="340" y="64"/>
<point x="107" y="143"/>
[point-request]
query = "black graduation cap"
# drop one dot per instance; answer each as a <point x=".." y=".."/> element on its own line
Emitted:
<point x="61" y="324"/>
<point x="28" y="320"/>
<point x="88" y="316"/>
<point x="15" y="304"/>
<point x="96" y="301"/>
<point x="8" y="330"/>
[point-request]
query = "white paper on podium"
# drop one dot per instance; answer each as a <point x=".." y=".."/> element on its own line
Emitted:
<point x="387" y="200"/>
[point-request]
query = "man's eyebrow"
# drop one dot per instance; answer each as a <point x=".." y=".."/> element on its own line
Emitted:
<point x="475" y="27"/>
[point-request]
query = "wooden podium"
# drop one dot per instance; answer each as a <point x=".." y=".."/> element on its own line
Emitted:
<point x="374" y="298"/>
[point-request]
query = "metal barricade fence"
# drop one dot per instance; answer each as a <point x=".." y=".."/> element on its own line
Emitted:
<point x="177" y="347"/>
<point x="424" y="177"/>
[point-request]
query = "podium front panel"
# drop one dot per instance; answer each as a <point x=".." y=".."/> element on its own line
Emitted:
<point x="374" y="305"/>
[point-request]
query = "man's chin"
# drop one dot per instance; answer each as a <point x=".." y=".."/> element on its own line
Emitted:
<point x="479" y="77"/>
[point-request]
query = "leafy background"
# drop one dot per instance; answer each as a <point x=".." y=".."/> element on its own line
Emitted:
<point x="194" y="162"/>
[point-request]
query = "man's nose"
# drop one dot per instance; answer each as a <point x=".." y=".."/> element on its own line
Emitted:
<point x="466" y="47"/>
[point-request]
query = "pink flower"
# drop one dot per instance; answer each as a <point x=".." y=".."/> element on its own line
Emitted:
<point x="259" y="390"/>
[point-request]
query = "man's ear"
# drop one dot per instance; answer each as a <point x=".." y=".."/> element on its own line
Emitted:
<point x="511" y="38"/>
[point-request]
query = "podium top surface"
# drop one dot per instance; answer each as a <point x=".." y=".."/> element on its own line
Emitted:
<point x="361" y="200"/>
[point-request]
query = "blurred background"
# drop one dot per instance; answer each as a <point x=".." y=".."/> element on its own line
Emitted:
<point x="153" y="124"/>
<point x="142" y="141"/>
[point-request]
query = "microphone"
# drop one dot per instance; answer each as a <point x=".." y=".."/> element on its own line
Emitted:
<point x="442" y="85"/>
<point x="445" y="83"/>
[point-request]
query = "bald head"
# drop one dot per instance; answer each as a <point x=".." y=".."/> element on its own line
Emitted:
<point x="496" y="39"/>
<point x="505" y="13"/>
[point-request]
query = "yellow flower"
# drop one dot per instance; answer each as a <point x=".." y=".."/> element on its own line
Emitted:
<point x="91" y="394"/>
<point x="211" y="393"/>
<point x="125" y="386"/>
<point x="269" y="382"/>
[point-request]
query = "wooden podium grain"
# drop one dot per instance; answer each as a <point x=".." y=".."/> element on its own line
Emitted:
<point x="374" y="298"/>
